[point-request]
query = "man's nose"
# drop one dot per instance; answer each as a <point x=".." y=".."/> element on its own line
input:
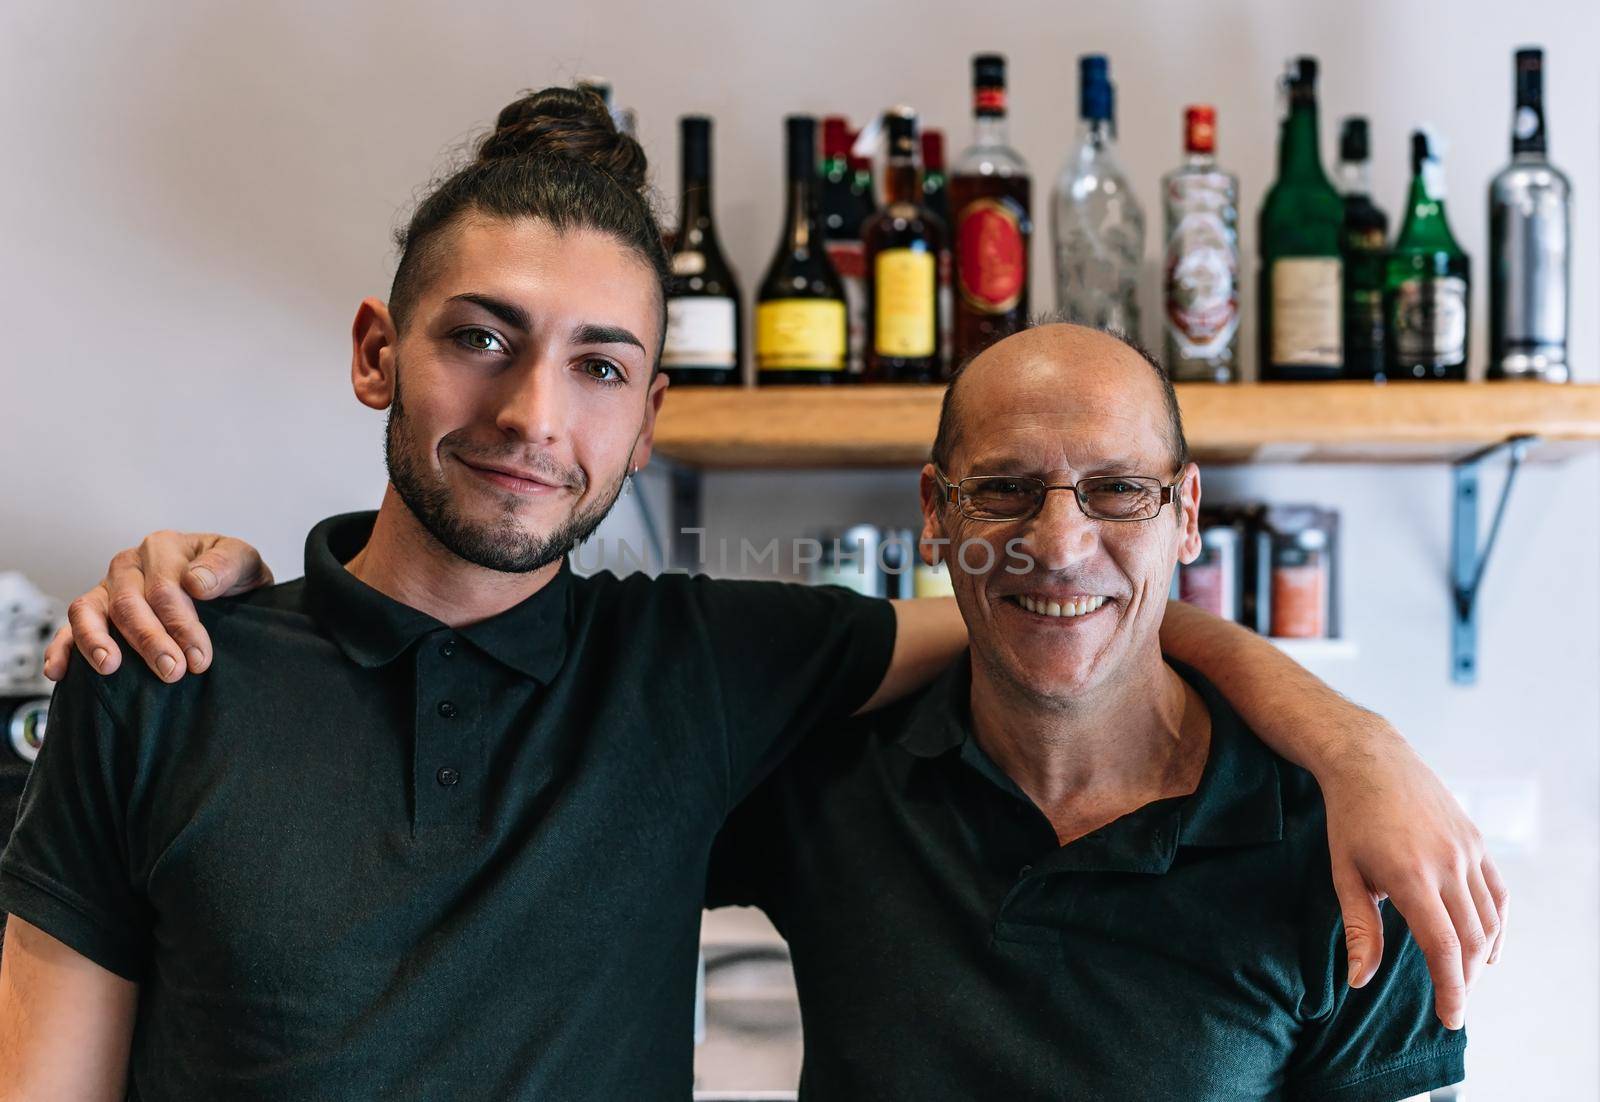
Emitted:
<point x="533" y="403"/>
<point x="1060" y="535"/>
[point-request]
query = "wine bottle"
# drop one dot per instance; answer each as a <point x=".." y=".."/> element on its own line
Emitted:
<point x="935" y="196"/>
<point x="1301" y="331"/>
<point x="1427" y="288"/>
<point x="991" y="199"/>
<point x="844" y="210"/>
<point x="903" y="241"/>
<point x="800" y="305"/>
<point x="1363" y="246"/>
<point x="703" y="345"/>
<point x="1097" y="224"/>
<point x="1530" y="245"/>
<point x="1202" y="264"/>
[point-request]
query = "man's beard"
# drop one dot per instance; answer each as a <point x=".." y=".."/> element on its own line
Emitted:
<point x="503" y="547"/>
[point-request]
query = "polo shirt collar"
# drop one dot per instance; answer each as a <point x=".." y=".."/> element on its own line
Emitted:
<point x="1238" y="801"/>
<point x="373" y="630"/>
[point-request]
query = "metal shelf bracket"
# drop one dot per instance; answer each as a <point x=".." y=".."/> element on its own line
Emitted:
<point x="1468" y="559"/>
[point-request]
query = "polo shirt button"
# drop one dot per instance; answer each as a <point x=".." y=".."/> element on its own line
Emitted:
<point x="447" y="709"/>
<point x="448" y="776"/>
<point x="1024" y="871"/>
<point x="448" y="648"/>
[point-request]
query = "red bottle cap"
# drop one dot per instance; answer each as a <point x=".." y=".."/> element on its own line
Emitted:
<point x="857" y="164"/>
<point x="1200" y="129"/>
<point x="836" y="136"/>
<point x="933" y="150"/>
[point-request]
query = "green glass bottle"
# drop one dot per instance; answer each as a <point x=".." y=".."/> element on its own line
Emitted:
<point x="1427" y="286"/>
<point x="1301" y="280"/>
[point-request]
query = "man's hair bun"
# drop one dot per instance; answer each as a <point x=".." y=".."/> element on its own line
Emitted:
<point x="566" y="122"/>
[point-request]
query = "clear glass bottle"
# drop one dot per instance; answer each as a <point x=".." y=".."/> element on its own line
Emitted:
<point x="1096" y="223"/>
<point x="1530" y="246"/>
<point x="1201" y="273"/>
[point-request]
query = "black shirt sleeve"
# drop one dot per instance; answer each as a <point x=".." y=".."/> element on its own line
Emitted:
<point x="789" y="658"/>
<point x="65" y="869"/>
<point x="1381" y="1042"/>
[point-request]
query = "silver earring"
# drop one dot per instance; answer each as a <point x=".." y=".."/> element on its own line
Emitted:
<point x="627" y="483"/>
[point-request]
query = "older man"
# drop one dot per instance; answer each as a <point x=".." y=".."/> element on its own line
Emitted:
<point x="1067" y="869"/>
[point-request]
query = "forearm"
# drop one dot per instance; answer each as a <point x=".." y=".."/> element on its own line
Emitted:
<point x="929" y="633"/>
<point x="1290" y="709"/>
<point x="66" y="1024"/>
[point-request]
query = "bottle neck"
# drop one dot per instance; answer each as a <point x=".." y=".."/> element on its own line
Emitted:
<point x="1425" y="222"/>
<point x="1527" y="129"/>
<point x="1199" y="162"/>
<point x="1355" y="178"/>
<point x="902" y="181"/>
<point x="694" y="209"/>
<point x="1298" y="155"/>
<point x="990" y="130"/>
<point x="1097" y="133"/>
<point x="800" y="226"/>
<point x="836" y="168"/>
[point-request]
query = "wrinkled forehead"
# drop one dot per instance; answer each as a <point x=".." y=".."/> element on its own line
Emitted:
<point x="1060" y="412"/>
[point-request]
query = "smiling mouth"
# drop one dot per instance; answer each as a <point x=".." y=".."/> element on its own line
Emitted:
<point x="507" y="480"/>
<point x="1071" y="608"/>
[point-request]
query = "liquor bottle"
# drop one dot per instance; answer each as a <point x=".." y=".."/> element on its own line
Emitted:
<point x="903" y="242"/>
<point x="1301" y="280"/>
<point x="800" y="305"/>
<point x="1363" y="242"/>
<point x="1530" y="234"/>
<point x="1427" y="285"/>
<point x="844" y="210"/>
<point x="703" y="345"/>
<point x="991" y="197"/>
<point x="1097" y="224"/>
<point x="936" y="197"/>
<point x="1202" y="262"/>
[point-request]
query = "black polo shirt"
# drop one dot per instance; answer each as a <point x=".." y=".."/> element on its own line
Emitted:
<point x="947" y="947"/>
<point x="367" y="855"/>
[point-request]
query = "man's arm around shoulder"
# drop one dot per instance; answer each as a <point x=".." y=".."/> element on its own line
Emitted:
<point x="66" y="1024"/>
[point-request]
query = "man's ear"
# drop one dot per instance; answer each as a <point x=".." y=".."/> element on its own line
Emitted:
<point x="647" y="432"/>
<point x="372" y="354"/>
<point x="932" y="543"/>
<point x="1188" y="505"/>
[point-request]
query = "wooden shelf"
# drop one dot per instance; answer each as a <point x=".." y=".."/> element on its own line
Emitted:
<point x="892" y="426"/>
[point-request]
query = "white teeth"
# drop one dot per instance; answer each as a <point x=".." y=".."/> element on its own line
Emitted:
<point x="1080" y="606"/>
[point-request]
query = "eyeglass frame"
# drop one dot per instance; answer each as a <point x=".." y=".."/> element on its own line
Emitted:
<point x="953" y="495"/>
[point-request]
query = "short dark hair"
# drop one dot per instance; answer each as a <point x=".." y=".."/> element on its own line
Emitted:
<point x="554" y="155"/>
<point x="944" y="441"/>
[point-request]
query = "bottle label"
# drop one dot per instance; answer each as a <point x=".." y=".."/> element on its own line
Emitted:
<point x="1202" y="285"/>
<point x="906" y="286"/>
<point x="800" y="334"/>
<point x="700" y="333"/>
<point x="1306" y="316"/>
<point x="991" y="256"/>
<point x="850" y="261"/>
<point x="1430" y="321"/>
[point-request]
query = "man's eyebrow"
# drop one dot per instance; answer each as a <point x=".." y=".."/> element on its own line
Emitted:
<point x="592" y="333"/>
<point x="508" y="312"/>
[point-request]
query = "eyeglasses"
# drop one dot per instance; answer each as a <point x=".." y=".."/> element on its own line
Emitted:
<point x="1019" y="497"/>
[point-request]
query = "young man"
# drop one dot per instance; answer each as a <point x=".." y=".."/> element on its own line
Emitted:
<point x="1066" y="869"/>
<point x="439" y="827"/>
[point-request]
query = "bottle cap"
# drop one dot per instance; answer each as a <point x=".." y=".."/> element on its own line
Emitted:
<point x="1354" y="142"/>
<point x="696" y="134"/>
<point x="989" y="84"/>
<point x="1094" y="87"/>
<point x="933" y="150"/>
<point x="802" y="146"/>
<point x="900" y="123"/>
<point x="1200" y="128"/>
<point x="835" y="136"/>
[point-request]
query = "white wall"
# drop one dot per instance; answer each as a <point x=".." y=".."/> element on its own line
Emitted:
<point x="196" y="196"/>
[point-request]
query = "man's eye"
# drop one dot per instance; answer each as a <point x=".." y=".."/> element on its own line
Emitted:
<point x="1120" y="487"/>
<point x="602" y="370"/>
<point x="479" y="340"/>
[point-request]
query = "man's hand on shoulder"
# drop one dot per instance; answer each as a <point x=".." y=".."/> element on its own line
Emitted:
<point x="148" y="593"/>
<point x="1395" y="832"/>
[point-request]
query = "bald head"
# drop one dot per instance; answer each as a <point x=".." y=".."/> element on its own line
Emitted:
<point x="1088" y="368"/>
